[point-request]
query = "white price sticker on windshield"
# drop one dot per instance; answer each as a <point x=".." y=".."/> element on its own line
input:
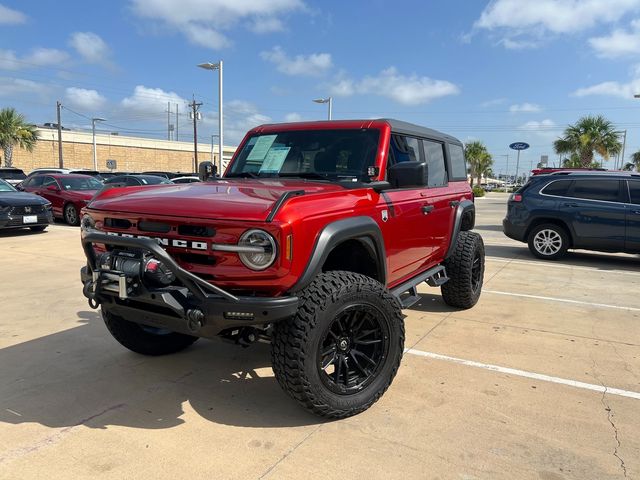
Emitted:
<point x="261" y="147"/>
<point x="274" y="159"/>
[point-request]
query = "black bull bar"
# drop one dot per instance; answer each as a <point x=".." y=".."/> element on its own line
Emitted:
<point x="190" y="305"/>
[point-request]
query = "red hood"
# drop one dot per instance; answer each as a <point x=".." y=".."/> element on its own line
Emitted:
<point x="224" y="199"/>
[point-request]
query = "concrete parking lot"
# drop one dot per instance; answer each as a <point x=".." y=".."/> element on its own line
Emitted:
<point x="541" y="380"/>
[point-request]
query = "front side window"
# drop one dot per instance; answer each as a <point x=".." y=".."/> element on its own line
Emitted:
<point x="5" y="187"/>
<point x="47" y="181"/>
<point x="603" y="190"/>
<point x="339" y="155"/>
<point x="634" y="190"/>
<point x="458" y="166"/>
<point x="404" y="149"/>
<point x="434" y="153"/>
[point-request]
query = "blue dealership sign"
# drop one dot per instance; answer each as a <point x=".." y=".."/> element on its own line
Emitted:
<point x="519" y="146"/>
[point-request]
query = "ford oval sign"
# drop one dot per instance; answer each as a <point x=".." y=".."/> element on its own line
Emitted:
<point x="519" y="146"/>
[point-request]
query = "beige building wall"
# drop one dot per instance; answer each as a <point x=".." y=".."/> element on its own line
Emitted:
<point x="132" y="154"/>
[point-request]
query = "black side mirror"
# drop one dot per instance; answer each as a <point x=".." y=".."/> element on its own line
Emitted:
<point x="206" y="170"/>
<point x="408" y="174"/>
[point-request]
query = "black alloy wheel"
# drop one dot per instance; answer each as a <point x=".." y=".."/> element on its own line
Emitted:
<point x="353" y="349"/>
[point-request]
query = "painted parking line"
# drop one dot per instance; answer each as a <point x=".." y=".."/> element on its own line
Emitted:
<point x="563" y="300"/>
<point x="547" y="264"/>
<point x="526" y="374"/>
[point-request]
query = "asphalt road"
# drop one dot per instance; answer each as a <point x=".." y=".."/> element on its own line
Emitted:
<point x="541" y="380"/>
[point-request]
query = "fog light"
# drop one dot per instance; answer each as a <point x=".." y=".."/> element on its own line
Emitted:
<point x="238" y="315"/>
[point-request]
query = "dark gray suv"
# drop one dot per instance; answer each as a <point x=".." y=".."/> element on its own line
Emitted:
<point x="586" y="210"/>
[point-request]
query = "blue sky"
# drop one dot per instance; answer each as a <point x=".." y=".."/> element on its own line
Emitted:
<point x="498" y="71"/>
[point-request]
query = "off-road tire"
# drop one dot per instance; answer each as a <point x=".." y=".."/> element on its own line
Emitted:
<point x="137" y="339"/>
<point x="296" y="342"/>
<point x="71" y="215"/>
<point x="559" y="233"/>
<point x="39" y="228"/>
<point x="464" y="286"/>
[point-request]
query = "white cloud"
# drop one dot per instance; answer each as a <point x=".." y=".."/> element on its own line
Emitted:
<point x="611" y="89"/>
<point x="38" y="57"/>
<point x="545" y="128"/>
<point x="515" y="19"/>
<point x="151" y="101"/>
<point x="85" y="99"/>
<point x="204" y="22"/>
<point x="313" y="64"/>
<point x="407" y="90"/>
<point x="16" y="86"/>
<point x="292" y="117"/>
<point x="619" y="42"/>
<point x="493" y="102"/>
<point x="91" y="47"/>
<point x="525" y="108"/>
<point x="9" y="16"/>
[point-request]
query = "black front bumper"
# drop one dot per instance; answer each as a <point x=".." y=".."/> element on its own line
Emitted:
<point x="17" y="221"/>
<point x="190" y="305"/>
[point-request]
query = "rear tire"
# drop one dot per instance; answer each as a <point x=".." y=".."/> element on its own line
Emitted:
<point x="145" y="340"/>
<point x="71" y="214"/>
<point x="39" y="228"/>
<point x="465" y="269"/>
<point x="341" y="351"/>
<point x="548" y="241"/>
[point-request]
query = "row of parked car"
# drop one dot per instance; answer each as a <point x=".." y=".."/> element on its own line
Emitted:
<point x="34" y="200"/>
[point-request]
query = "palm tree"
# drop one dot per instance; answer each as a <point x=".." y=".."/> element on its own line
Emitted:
<point x="14" y="130"/>
<point x="589" y="135"/>
<point x="634" y="163"/>
<point x="479" y="160"/>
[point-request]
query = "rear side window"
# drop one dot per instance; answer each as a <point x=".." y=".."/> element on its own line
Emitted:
<point x="437" y="172"/>
<point x="634" y="190"/>
<point x="458" y="166"/>
<point x="559" y="188"/>
<point x="603" y="190"/>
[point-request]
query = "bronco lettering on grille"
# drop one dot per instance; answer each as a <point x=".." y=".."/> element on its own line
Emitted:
<point x="167" y="242"/>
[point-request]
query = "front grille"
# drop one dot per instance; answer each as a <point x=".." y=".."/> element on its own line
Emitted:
<point x="196" y="231"/>
<point x="157" y="227"/>
<point x="197" y="259"/>
<point x="27" y="210"/>
<point x="18" y="222"/>
<point x="117" y="223"/>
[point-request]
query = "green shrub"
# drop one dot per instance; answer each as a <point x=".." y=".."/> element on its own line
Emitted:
<point x="478" y="191"/>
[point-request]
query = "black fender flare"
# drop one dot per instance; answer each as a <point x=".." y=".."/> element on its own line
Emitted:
<point x="464" y="207"/>
<point x="362" y="228"/>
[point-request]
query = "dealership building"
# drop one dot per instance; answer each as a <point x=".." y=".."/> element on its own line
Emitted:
<point x="131" y="154"/>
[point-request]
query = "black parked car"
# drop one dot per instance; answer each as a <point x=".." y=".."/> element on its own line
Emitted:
<point x="592" y="211"/>
<point x="11" y="175"/>
<point x="23" y="210"/>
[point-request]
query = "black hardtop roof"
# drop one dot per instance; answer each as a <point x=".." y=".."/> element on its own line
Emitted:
<point x="398" y="126"/>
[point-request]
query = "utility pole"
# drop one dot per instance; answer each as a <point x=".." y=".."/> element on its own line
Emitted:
<point x="195" y="116"/>
<point x="168" y="120"/>
<point x="624" y="145"/>
<point x="177" y="122"/>
<point x="60" y="160"/>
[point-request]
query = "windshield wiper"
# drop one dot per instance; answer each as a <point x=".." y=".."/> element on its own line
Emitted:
<point x="243" y="175"/>
<point x="310" y="175"/>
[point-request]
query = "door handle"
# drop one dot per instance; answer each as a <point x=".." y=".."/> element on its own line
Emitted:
<point x="454" y="203"/>
<point x="570" y="204"/>
<point x="426" y="209"/>
<point x="636" y="212"/>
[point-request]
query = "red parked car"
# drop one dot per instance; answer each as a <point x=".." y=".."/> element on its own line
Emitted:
<point x="67" y="193"/>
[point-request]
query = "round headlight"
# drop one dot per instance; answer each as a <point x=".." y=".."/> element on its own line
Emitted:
<point x="87" y="223"/>
<point x="265" y="249"/>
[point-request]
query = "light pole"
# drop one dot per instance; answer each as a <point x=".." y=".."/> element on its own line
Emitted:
<point x="328" y="100"/>
<point x="93" y="129"/>
<point x="212" y="137"/>
<point x="217" y="66"/>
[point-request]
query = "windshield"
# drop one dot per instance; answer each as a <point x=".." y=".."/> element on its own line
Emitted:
<point x="13" y="174"/>
<point x="5" y="187"/>
<point x="342" y="155"/>
<point x="78" y="183"/>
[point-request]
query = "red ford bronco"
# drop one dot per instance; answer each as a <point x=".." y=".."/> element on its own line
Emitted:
<point x="315" y="238"/>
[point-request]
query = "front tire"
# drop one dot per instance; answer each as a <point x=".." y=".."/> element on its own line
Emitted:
<point x="145" y="340"/>
<point x="548" y="241"/>
<point x="341" y="351"/>
<point x="465" y="269"/>
<point x="71" y="214"/>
